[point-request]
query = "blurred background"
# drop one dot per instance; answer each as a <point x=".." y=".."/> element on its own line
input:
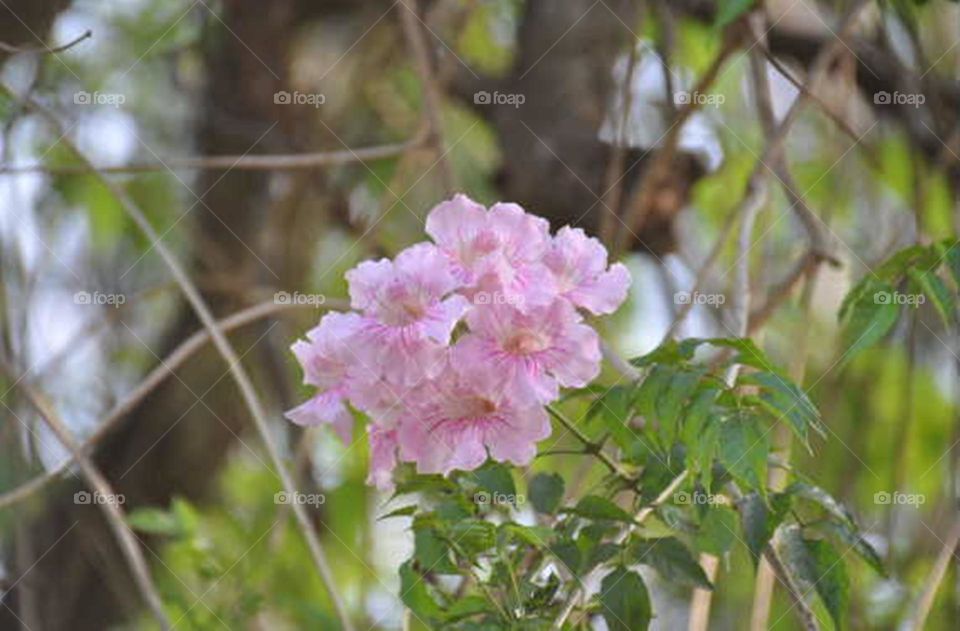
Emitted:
<point x="274" y="145"/>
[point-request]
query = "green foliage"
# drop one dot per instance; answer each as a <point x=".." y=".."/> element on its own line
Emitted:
<point x="907" y="279"/>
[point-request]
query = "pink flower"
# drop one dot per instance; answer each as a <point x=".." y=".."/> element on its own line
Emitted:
<point x="383" y="456"/>
<point x="495" y="251"/>
<point x="453" y="423"/>
<point x="527" y="356"/>
<point x="408" y="312"/>
<point x="579" y="266"/>
<point x="327" y="363"/>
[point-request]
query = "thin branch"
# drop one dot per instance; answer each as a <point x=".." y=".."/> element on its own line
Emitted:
<point x="111" y="509"/>
<point x="46" y="50"/>
<point x="411" y="23"/>
<point x="807" y="618"/>
<point x="589" y="445"/>
<point x="932" y="584"/>
<point x="282" y="162"/>
<point x="164" y="369"/>
<point x="225" y="348"/>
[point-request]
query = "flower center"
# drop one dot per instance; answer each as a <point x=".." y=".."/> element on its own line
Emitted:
<point x="526" y="342"/>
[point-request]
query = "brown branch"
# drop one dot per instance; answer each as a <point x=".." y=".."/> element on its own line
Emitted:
<point x="237" y="372"/>
<point x="170" y="363"/>
<point x="46" y="50"/>
<point x="411" y="23"/>
<point x="129" y="545"/>
<point x="284" y="162"/>
<point x="933" y="581"/>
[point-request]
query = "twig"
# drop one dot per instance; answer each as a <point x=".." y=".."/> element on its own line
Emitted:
<point x="229" y="354"/>
<point x="932" y="584"/>
<point x="164" y="369"/>
<point x="807" y="618"/>
<point x="111" y="509"/>
<point x="412" y="31"/>
<point x="8" y="48"/>
<point x="640" y="517"/>
<point x="701" y="278"/>
<point x="283" y="162"/>
<point x="589" y="446"/>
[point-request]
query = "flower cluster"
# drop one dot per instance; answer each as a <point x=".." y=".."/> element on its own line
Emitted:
<point x="455" y="346"/>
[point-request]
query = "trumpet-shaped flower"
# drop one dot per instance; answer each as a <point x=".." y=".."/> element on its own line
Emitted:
<point x="579" y="266"/>
<point x="453" y="423"/>
<point x="408" y="311"/>
<point x="527" y="356"/>
<point x="327" y="364"/>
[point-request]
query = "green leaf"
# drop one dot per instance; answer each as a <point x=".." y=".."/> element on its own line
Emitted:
<point x="718" y="531"/>
<point x="849" y="538"/>
<point x="759" y="521"/>
<point x="937" y="291"/>
<point x="625" y="603"/>
<point x="599" y="508"/>
<point x="832" y="582"/>
<point x="615" y="408"/>
<point x="731" y="10"/>
<point x="431" y="552"/>
<point x="404" y="511"/>
<point x="536" y="536"/>
<point x="820" y="497"/>
<point x="496" y="478"/>
<point x="743" y="450"/>
<point x="870" y="318"/>
<point x="473" y="535"/>
<point x="952" y="257"/>
<point x="671" y="559"/>
<point x="784" y="400"/>
<point x="467" y="606"/>
<point x="546" y="492"/>
<point x="155" y="521"/>
<point x="415" y="594"/>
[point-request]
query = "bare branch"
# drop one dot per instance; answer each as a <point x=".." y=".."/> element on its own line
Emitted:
<point x="111" y="509"/>
<point x="283" y="162"/>
<point x="225" y="348"/>
<point x="8" y="48"/>
<point x="164" y="369"/>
